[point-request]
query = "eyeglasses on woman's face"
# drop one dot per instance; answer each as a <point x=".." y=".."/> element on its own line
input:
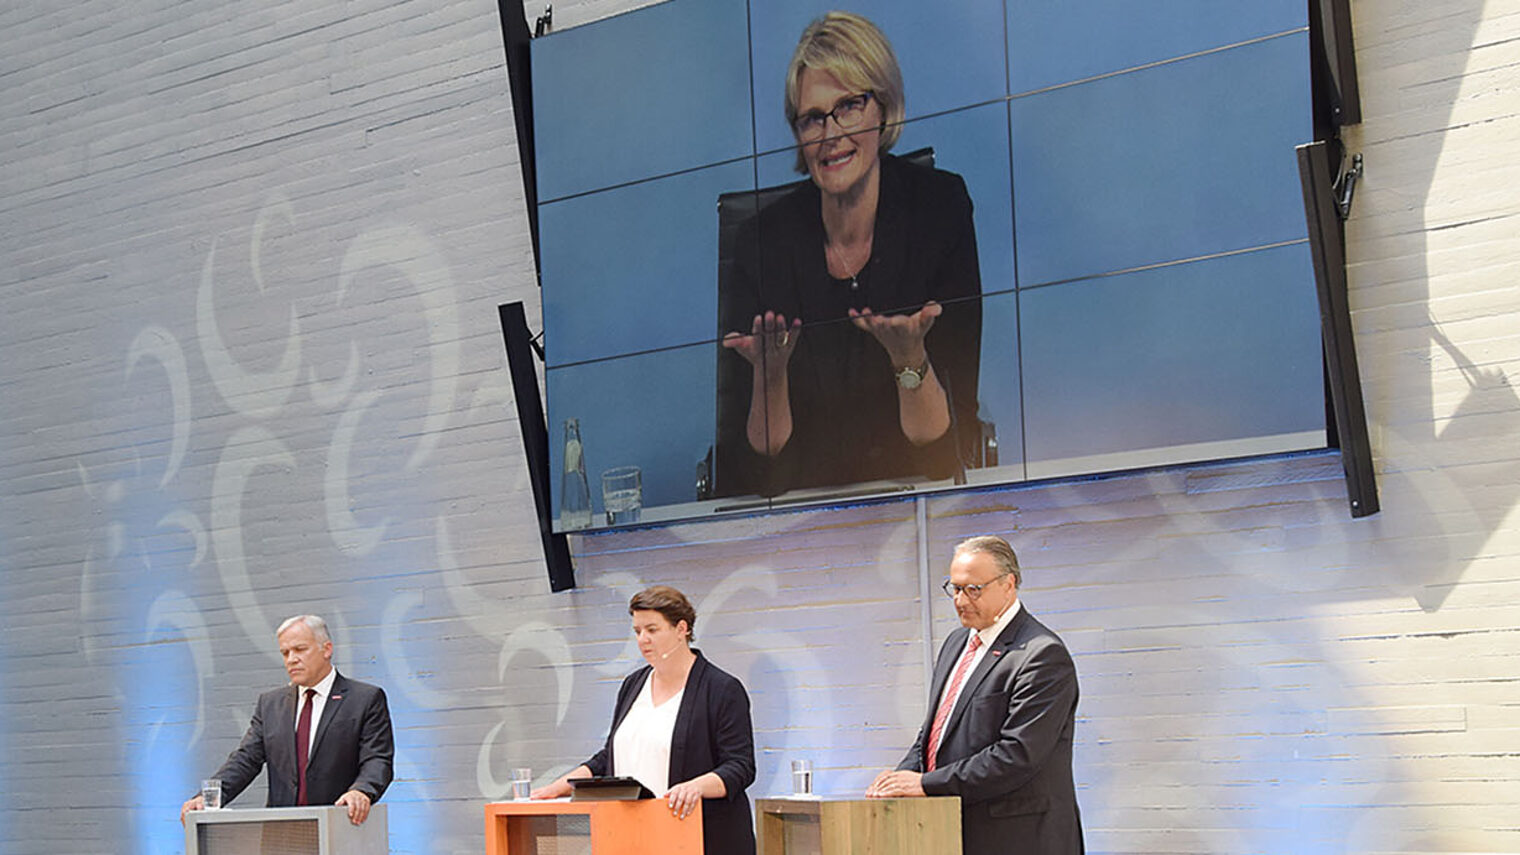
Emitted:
<point x="849" y="114"/>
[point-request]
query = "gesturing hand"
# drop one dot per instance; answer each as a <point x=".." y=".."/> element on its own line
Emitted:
<point x="770" y="341"/>
<point x="902" y="336"/>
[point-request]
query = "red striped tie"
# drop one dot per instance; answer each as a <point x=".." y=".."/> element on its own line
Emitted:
<point x="948" y="702"/>
<point x="303" y="746"/>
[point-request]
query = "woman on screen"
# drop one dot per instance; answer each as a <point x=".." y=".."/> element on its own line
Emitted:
<point x="854" y="298"/>
<point x="681" y="727"/>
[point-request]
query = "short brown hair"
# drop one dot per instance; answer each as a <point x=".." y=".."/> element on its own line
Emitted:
<point x="670" y="603"/>
<point x="1001" y="552"/>
<point x="852" y="49"/>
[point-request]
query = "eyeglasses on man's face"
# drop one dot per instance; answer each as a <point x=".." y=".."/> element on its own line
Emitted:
<point x="971" y="591"/>
<point x="849" y="114"/>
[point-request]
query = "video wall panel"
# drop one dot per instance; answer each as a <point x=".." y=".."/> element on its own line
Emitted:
<point x="649" y="93"/>
<point x="632" y="266"/>
<point x="1090" y="228"/>
<point x="651" y="410"/>
<point x="1174" y="161"/>
<point x="1153" y="366"/>
<point x="1050" y="44"/>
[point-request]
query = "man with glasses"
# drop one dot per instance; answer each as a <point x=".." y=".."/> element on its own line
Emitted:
<point x="999" y="728"/>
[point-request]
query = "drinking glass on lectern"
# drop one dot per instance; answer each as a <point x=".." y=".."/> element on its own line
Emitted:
<point x="802" y="777"/>
<point x="522" y="784"/>
<point x="211" y="793"/>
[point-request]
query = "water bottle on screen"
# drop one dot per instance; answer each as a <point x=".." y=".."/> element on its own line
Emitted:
<point x="575" y="493"/>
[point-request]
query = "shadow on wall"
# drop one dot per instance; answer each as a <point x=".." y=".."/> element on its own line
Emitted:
<point x="1250" y="690"/>
<point x="1445" y="476"/>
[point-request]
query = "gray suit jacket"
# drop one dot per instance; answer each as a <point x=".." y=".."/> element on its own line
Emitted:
<point x="1006" y="750"/>
<point x="353" y="748"/>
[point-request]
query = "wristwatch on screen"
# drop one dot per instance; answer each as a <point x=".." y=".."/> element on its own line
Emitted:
<point x="911" y="377"/>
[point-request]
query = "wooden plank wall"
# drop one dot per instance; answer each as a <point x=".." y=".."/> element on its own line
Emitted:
<point x="249" y="261"/>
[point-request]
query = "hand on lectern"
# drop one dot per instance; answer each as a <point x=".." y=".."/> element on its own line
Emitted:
<point x="357" y="804"/>
<point x="197" y="803"/>
<point x="894" y="785"/>
<point x="561" y="788"/>
<point x="683" y="798"/>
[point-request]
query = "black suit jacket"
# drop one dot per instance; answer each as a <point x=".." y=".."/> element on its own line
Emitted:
<point x="846" y="426"/>
<point x="353" y="748"/>
<point x="712" y="734"/>
<point x="1006" y="749"/>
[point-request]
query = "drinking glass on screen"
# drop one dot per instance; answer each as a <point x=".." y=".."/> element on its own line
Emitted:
<point x="622" y="494"/>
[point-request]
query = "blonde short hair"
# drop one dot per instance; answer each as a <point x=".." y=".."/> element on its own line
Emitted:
<point x="852" y="49"/>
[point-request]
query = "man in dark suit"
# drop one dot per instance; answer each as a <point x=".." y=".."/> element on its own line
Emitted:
<point x="325" y="738"/>
<point x="999" y="728"/>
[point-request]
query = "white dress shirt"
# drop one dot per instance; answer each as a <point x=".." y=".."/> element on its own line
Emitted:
<point x="988" y="636"/>
<point x="318" y="703"/>
<point x="641" y="745"/>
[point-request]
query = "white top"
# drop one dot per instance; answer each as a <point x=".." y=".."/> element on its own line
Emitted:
<point x="988" y="636"/>
<point x="318" y="703"/>
<point x="641" y="745"/>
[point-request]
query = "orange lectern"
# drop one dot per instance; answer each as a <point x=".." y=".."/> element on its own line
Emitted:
<point x="641" y="827"/>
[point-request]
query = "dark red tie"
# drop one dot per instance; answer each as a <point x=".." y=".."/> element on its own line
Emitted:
<point x="303" y="741"/>
<point x="945" y="706"/>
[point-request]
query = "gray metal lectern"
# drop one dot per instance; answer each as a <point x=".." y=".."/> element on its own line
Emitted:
<point x="323" y="830"/>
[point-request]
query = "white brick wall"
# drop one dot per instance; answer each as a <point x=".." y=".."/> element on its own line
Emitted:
<point x="181" y="470"/>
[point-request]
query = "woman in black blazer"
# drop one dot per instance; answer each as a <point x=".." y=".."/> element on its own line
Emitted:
<point x="877" y="255"/>
<point x="708" y="740"/>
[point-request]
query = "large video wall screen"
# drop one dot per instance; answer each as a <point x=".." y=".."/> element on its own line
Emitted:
<point x="1097" y="200"/>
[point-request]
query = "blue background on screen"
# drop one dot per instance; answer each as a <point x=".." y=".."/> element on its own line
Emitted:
<point x="633" y="267"/>
<point x="651" y="92"/>
<point x="1119" y="34"/>
<point x="1184" y="159"/>
<point x="655" y="411"/>
<point x="1161" y="164"/>
<point x="1209" y="350"/>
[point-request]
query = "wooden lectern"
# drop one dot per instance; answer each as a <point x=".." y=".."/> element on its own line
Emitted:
<point x="314" y="830"/>
<point x="922" y="826"/>
<point x="560" y="826"/>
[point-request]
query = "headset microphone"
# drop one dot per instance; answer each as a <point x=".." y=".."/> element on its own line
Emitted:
<point x="673" y="648"/>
